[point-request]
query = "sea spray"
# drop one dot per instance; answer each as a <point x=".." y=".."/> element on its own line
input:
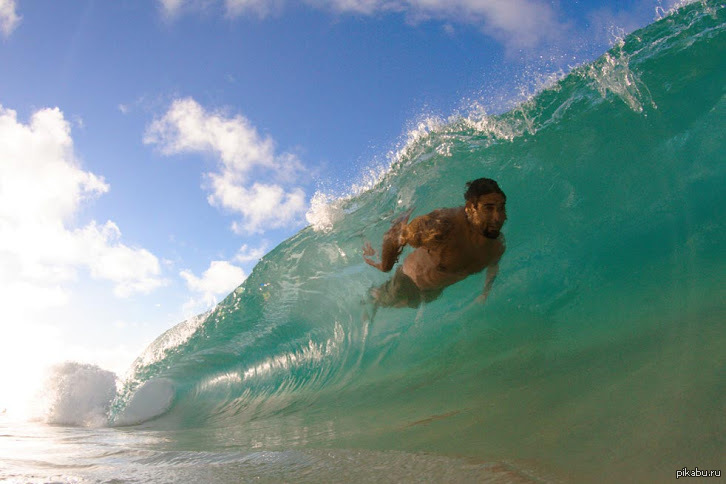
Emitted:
<point x="77" y="394"/>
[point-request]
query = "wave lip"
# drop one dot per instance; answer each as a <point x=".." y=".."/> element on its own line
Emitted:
<point x="151" y="399"/>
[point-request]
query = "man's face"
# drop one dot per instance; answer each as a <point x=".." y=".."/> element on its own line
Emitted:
<point x="488" y="214"/>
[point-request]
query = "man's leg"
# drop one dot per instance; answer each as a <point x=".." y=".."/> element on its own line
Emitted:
<point x="398" y="292"/>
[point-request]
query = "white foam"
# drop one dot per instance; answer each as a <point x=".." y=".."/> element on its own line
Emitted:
<point x="170" y="339"/>
<point x="614" y="75"/>
<point x="325" y="210"/>
<point x="77" y="394"/>
<point x="662" y="11"/>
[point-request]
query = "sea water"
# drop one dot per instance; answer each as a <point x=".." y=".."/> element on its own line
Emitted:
<point x="600" y="354"/>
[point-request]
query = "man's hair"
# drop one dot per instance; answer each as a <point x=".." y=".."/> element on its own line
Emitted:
<point x="481" y="186"/>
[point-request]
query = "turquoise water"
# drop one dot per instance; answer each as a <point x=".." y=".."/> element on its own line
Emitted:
<point x="599" y="356"/>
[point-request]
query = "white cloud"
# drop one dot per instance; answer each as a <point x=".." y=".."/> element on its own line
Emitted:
<point x="261" y="205"/>
<point x="132" y="269"/>
<point x="9" y="19"/>
<point x="261" y="8"/>
<point x="41" y="189"/>
<point x="188" y="128"/>
<point x="233" y="8"/>
<point x="367" y="7"/>
<point x="249" y="254"/>
<point x="221" y="278"/>
<point x="171" y="8"/>
<point x="608" y="25"/>
<point x="516" y="23"/>
<point x="42" y="254"/>
<point x="41" y="179"/>
<point x="218" y="280"/>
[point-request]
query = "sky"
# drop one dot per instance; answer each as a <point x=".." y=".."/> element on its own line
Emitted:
<point x="151" y="152"/>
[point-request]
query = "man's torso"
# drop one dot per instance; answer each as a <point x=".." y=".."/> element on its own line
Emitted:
<point x="456" y="257"/>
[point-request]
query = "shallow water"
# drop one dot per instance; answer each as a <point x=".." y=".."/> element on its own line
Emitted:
<point x="34" y="453"/>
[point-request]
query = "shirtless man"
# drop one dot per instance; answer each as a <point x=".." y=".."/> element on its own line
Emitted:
<point x="451" y="244"/>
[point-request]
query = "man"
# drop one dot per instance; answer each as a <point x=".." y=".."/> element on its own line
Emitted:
<point x="451" y="244"/>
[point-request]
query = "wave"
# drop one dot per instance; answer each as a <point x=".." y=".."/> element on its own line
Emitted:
<point x="602" y="341"/>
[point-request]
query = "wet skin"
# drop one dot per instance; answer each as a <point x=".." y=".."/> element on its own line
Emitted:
<point x="450" y="243"/>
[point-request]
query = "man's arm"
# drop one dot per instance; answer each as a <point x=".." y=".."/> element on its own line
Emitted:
<point x="393" y="243"/>
<point x="424" y="231"/>
<point x="492" y="271"/>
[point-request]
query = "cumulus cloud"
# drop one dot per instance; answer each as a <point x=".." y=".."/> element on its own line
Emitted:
<point x="133" y="270"/>
<point x="9" y="19"/>
<point x="41" y="189"/>
<point x="250" y="254"/>
<point x="261" y="204"/>
<point x="516" y="23"/>
<point x="221" y="278"/>
<point x="188" y="128"/>
<point x="218" y="280"/>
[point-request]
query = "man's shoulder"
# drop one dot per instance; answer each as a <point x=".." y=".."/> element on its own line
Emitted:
<point x="444" y="219"/>
<point x="447" y="214"/>
<point x="433" y="228"/>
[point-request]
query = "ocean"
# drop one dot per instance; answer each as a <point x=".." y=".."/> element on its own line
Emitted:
<point x="599" y="356"/>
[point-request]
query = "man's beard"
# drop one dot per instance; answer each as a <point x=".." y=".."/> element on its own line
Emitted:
<point x="491" y="233"/>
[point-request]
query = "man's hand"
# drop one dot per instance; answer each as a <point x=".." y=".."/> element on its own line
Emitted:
<point x="481" y="298"/>
<point x="369" y="251"/>
<point x="477" y="302"/>
<point x="492" y="272"/>
<point x="393" y="242"/>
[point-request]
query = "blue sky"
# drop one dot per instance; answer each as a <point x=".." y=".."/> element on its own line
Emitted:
<point x="151" y="152"/>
